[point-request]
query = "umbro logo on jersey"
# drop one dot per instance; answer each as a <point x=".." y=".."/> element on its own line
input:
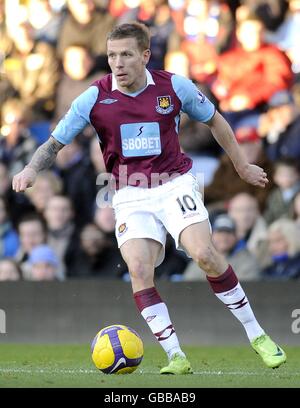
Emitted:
<point x="108" y="101"/>
<point x="201" y="97"/>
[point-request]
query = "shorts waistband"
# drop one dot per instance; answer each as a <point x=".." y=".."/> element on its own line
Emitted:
<point x="131" y="193"/>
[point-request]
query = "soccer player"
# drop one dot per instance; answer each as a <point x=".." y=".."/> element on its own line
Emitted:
<point x="136" y="115"/>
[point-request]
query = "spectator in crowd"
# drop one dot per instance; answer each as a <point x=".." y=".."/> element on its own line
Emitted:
<point x="286" y="35"/>
<point x="32" y="71"/>
<point x="16" y="144"/>
<point x="80" y="71"/>
<point x="5" y="180"/>
<point x="17" y="204"/>
<point x="45" y="22"/>
<point x="86" y="25"/>
<point x="280" y="126"/>
<point x="61" y="232"/>
<point x="32" y="232"/>
<point x="156" y="14"/>
<point x="271" y="13"/>
<point x="251" y="229"/>
<point x="224" y="236"/>
<point x="74" y="166"/>
<point x="296" y="210"/>
<point x="6" y="45"/>
<point x="118" y="7"/>
<point x="5" y="40"/>
<point x="295" y="90"/>
<point x="174" y="263"/>
<point x="284" y="249"/>
<point x="97" y="257"/>
<point x="249" y="74"/>
<point x="287" y="180"/>
<point x="96" y="156"/>
<point x="104" y="218"/>
<point x="47" y="185"/>
<point x="196" y="139"/>
<point x="207" y="29"/>
<point x="226" y="184"/>
<point x="9" y="240"/>
<point x="178" y="63"/>
<point x="43" y="264"/>
<point x="9" y="270"/>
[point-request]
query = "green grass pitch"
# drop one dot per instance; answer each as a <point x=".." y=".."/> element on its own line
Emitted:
<point x="71" y="366"/>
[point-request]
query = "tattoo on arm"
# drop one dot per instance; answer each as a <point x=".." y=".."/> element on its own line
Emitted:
<point x="45" y="155"/>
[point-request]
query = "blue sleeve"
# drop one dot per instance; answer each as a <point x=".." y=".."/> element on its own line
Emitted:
<point x="77" y="117"/>
<point x="194" y="102"/>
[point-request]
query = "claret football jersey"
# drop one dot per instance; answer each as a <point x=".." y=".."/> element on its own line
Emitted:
<point x="138" y="132"/>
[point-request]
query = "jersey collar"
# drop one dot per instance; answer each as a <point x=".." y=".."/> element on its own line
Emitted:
<point x="149" y="78"/>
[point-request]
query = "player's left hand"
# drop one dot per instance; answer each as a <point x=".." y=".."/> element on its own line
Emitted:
<point x="254" y="175"/>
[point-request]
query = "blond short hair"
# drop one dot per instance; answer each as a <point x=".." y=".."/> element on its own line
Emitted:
<point x="135" y="30"/>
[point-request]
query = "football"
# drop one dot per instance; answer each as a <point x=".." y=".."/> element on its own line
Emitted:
<point x="117" y="349"/>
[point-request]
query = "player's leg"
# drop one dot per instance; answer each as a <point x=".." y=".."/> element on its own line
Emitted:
<point x="196" y="239"/>
<point x="141" y="256"/>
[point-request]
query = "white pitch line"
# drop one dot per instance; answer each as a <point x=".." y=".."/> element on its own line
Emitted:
<point x="45" y="371"/>
<point x="86" y="371"/>
<point x="238" y="373"/>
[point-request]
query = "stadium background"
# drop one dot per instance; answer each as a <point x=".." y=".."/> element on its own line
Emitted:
<point x="72" y="312"/>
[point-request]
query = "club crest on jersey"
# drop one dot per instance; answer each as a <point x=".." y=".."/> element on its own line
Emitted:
<point x="164" y="105"/>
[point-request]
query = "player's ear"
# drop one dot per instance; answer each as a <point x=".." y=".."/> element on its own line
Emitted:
<point x="146" y="56"/>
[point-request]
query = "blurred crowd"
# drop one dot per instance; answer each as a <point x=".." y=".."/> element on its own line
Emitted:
<point x="244" y="55"/>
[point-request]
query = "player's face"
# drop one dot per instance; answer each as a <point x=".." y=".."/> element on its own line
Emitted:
<point x="127" y="63"/>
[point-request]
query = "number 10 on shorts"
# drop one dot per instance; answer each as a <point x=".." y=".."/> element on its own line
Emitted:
<point x="187" y="203"/>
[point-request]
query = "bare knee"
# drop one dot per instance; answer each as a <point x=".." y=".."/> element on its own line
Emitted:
<point x="209" y="260"/>
<point x="139" y="271"/>
<point x="203" y="256"/>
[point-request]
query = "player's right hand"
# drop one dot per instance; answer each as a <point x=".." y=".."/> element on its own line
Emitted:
<point x="24" y="179"/>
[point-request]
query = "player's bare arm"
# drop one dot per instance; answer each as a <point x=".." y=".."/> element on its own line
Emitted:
<point x="42" y="159"/>
<point x="224" y="135"/>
